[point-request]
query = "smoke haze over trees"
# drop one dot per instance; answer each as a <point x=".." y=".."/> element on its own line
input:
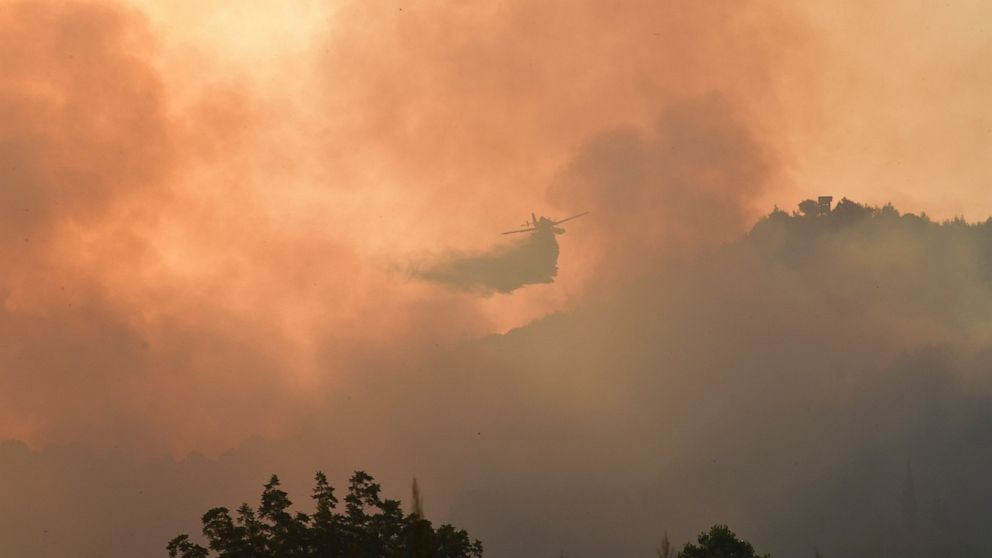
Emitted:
<point x="781" y="384"/>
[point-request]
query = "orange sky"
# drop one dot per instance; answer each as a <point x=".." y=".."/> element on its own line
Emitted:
<point x="216" y="203"/>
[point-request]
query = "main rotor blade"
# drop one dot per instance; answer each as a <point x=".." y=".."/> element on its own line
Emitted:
<point x="519" y="231"/>
<point x="570" y="218"/>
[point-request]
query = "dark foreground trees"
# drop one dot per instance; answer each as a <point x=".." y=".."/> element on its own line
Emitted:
<point x="720" y="542"/>
<point x="369" y="527"/>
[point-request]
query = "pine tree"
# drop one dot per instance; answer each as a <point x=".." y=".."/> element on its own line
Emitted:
<point x="369" y="527"/>
<point x="719" y="542"/>
<point x="665" y="551"/>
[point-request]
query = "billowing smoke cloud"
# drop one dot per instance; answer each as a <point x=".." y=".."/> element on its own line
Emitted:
<point x="783" y="383"/>
<point x="143" y="243"/>
<point x="198" y="253"/>
<point x="197" y="248"/>
<point x="101" y="343"/>
<point x="502" y="269"/>
<point x="84" y="138"/>
<point x="682" y="185"/>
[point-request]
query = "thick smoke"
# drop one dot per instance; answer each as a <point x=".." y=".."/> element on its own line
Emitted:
<point x="196" y="251"/>
<point x="84" y="138"/>
<point x="101" y="343"/>
<point x="197" y="255"/>
<point x="668" y="191"/>
<point x="153" y="295"/>
<point x="783" y="383"/>
<point x="662" y="193"/>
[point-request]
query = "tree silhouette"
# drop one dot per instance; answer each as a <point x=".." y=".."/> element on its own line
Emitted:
<point x="809" y="208"/>
<point x="370" y="527"/>
<point x="665" y="550"/>
<point x="720" y="542"/>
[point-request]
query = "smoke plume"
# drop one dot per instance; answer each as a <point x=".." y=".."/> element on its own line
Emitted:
<point x="201" y="209"/>
<point x="502" y="269"/>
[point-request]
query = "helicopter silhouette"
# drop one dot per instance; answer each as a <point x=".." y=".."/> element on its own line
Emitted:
<point x="545" y="225"/>
<point x="506" y="267"/>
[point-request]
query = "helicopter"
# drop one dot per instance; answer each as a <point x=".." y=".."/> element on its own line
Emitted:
<point x="544" y="224"/>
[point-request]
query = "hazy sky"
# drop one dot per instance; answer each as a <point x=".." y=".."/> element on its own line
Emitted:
<point x="209" y="211"/>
